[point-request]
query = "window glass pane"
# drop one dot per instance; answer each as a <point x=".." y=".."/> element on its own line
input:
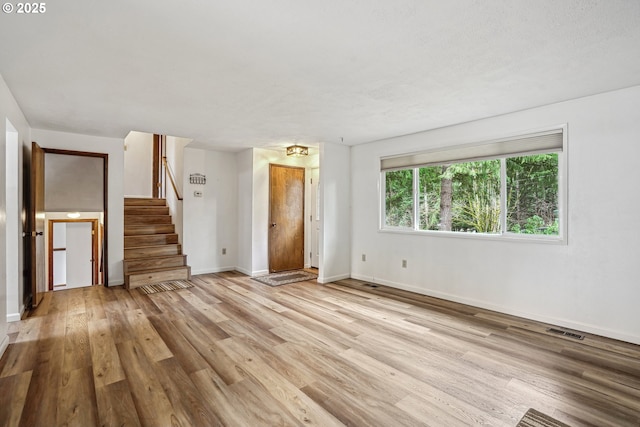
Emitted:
<point x="429" y="185"/>
<point x="532" y="194"/>
<point x="462" y="197"/>
<point x="399" y="198"/>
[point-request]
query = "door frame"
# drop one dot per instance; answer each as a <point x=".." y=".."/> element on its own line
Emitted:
<point x="35" y="215"/>
<point x="104" y="261"/>
<point x="94" y="247"/>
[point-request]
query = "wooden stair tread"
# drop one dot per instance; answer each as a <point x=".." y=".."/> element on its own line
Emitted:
<point x="152" y="252"/>
<point x="157" y="275"/>
<point x="146" y="219"/>
<point x="142" y="201"/>
<point x="146" y="210"/>
<point x="156" y="270"/>
<point x="148" y="229"/>
<point x="148" y="263"/>
<point x="143" y="240"/>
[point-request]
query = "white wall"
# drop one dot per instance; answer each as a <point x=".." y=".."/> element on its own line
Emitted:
<point x="11" y="287"/>
<point x="175" y="159"/>
<point x="335" y="216"/>
<point x="73" y="183"/>
<point x="138" y="164"/>
<point x="590" y="284"/>
<point x="114" y="147"/>
<point x="13" y="193"/>
<point x="244" y="162"/>
<point x="4" y="339"/>
<point x="210" y="221"/>
<point x="262" y="158"/>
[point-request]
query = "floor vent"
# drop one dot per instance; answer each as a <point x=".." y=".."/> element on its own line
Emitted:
<point x="371" y="285"/>
<point x="566" y="333"/>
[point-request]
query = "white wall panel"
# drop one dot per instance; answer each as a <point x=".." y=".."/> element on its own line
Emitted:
<point x="210" y="222"/>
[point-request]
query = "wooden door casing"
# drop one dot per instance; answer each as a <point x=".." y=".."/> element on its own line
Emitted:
<point x="36" y="214"/>
<point x="286" y="218"/>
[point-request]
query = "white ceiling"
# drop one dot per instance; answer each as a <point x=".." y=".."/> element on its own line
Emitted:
<point x="237" y="74"/>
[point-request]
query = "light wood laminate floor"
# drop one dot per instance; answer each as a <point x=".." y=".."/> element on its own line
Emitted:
<point x="231" y="351"/>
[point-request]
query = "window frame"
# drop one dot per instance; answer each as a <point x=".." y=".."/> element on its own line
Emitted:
<point x="504" y="234"/>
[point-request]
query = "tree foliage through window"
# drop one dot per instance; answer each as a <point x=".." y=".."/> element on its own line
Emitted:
<point x="466" y="196"/>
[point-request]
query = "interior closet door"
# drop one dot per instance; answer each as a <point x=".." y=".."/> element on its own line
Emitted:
<point x="79" y="254"/>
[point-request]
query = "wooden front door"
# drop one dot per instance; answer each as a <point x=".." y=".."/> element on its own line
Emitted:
<point x="36" y="218"/>
<point x="286" y="218"/>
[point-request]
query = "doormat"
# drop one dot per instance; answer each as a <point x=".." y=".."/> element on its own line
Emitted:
<point x="535" y="418"/>
<point x="166" y="286"/>
<point x="286" y="277"/>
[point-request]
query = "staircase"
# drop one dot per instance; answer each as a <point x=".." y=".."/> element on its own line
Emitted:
<point x="152" y="253"/>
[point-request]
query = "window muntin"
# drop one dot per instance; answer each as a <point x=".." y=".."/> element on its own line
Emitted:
<point x="514" y="193"/>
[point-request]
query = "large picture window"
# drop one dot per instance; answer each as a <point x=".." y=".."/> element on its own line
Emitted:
<point x="507" y="187"/>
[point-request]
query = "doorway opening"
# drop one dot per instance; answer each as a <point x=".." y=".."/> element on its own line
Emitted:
<point x="76" y="181"/>
<point x="73" y="247"/>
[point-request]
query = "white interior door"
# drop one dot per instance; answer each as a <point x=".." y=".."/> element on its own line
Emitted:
<point x="79" y="253"/>
<point x="315" y="218"/>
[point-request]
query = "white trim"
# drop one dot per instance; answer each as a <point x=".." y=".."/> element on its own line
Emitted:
<point x="258" y="273"/>
<point x="243" y="271"/>
<point x="512" y="237"/>
<point x="15" y="317"/>
<point x="4" y="345"/>
<point x="330" y="279"/>
<point x="578" y="326"/>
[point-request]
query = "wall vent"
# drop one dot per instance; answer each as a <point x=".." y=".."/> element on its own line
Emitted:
<point x="566" y="333"/>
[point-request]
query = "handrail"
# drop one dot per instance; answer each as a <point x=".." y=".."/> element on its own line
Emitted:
<point x="170" y="173"/>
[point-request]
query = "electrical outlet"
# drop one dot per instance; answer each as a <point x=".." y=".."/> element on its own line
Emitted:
<point x="404" y="263"/>
<point x="364" y="257"/>
<point x="224" y="251"/>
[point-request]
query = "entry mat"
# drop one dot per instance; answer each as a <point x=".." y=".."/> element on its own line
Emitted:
<point x="286" y="277"/>
<point x="166" y="286"/>
<point x="533" y="418"/>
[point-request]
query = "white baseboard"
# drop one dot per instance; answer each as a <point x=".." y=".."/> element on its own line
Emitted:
<point x="259" y="273"/>
<point x="243" y="271"/>
<point x="3" y="345"/>
<point x="333" y="278"/>
<point x="116" y="282"/>
<point x="15" y="317"/>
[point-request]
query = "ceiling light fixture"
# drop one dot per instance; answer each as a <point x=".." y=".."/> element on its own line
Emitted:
<point x="297" y="151"/>
<point x="73" y="215"/>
